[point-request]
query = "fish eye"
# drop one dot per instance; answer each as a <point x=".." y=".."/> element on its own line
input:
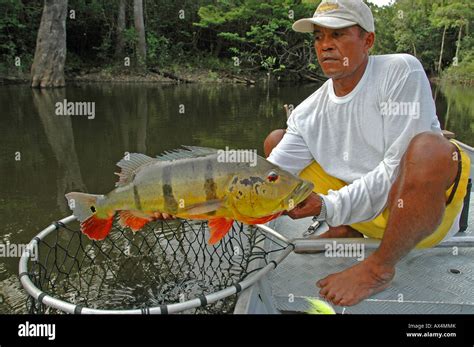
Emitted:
<point x="272" y="176"/>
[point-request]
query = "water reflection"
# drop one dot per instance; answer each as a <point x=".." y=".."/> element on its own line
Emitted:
<point x="58" y="131"/>
<point x="456" y="111"/>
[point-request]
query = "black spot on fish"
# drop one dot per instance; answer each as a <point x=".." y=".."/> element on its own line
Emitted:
<point x="210" y="187"/>
<point x="93" y="209"/>
<point x="136" y="197"/>
<point x="251" y="181"/>
<point x="171" y="204"/>
<point x="256" y="188"/>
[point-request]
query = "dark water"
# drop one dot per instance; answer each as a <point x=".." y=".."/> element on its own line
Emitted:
<point x="43" y="155"/>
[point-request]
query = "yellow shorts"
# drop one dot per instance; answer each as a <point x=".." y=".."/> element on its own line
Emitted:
<point x="376" y="227"/>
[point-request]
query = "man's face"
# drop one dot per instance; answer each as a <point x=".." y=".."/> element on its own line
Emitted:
<point x="341" y="51"/>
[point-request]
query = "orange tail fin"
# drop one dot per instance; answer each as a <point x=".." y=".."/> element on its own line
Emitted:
<point x="134" y="222"/>
<point x="218" y="228"/>
<point x="96" y="228"/>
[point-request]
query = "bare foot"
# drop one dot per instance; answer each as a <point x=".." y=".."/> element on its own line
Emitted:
<point x="356" y="283"/>
<point x="343" y="231"/>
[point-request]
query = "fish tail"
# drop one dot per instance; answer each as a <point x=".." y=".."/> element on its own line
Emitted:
<point x="85" y="208"/>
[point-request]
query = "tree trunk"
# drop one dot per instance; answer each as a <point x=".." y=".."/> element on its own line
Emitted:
<point x="120" y="29"/>
<point x="140" y="29"/>
<point x="442" y="49"/>
<point x="47" y="69"/>
<point x="458" y="44"/>
<point x="218" y="48"/>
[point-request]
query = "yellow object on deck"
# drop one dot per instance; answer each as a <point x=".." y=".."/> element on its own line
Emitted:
<point x="375" y="228"/>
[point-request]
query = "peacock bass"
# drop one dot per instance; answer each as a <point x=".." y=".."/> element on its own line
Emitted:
<point x="190" y="183"/>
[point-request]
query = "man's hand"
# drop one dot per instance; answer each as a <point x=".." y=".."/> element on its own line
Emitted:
<point x="307" y="208"/>
<point x="163" y="216"/>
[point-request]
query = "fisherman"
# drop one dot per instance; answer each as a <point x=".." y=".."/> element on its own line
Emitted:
<point x="370" y="141"/>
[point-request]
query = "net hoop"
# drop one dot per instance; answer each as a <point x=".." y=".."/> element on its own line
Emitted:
<point x="67" y="307"/>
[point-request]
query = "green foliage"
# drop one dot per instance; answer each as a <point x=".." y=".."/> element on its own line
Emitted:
<point x="158" y="49"/>
<point x="463" y="72"/>
<point x="258" y="32"/>
<point x="16" y="39"/>
<point x="212" y="34"/>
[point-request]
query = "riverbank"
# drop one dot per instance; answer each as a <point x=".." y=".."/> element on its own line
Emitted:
<point x="152" y="75"/>
<point x="456" y="81"/>
<point x="196" y="75"/>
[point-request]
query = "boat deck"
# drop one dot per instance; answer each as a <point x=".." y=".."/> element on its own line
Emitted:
<point x="430" y="281"/>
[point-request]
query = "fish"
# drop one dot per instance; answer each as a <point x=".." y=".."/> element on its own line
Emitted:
<point x="190" y="183"/>
<point x="318" y="306"/>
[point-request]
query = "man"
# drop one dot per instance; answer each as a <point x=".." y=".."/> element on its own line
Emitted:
<point x="370" y="141"/>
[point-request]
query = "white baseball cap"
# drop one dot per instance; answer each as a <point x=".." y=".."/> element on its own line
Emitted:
<point x="337" y="14"/>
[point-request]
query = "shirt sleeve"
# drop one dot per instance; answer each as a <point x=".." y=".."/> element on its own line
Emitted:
<point x="407" y="109"/>
<point x="292" y="153"/>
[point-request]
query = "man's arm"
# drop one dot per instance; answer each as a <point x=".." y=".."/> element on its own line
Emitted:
<point x="292" y="153"/>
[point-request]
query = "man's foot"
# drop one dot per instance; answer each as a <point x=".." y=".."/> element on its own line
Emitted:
<point x="356" y="283"/>
<point x="343" y="231"/>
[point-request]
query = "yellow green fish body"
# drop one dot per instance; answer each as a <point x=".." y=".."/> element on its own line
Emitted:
<point x="191" y="184"/>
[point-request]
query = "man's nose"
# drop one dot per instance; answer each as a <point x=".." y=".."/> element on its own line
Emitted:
<point x="325" y="43"/>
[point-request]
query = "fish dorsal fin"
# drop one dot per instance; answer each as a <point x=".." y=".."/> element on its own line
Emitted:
<point x="187" y="152"/>
<point x="129" y="165"/>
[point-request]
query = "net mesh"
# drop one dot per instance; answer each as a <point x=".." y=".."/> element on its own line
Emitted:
<point x="165" y="262"/>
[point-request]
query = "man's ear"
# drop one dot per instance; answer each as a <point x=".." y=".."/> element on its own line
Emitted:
<point x="369" y="41"/>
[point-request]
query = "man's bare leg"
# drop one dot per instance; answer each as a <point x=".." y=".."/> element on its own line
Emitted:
<point x="416" y="203"/>
<point x="341" y="231"/>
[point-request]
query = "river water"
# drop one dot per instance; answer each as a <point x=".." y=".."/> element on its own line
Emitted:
<point x="44" y="155"/>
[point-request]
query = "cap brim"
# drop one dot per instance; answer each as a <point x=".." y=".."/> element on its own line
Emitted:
<point x="306" y="25"/>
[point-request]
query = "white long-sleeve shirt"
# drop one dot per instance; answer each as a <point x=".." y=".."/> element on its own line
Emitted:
<point x="361" y="137"/>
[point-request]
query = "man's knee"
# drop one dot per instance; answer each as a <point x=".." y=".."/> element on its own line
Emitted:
<point x="431" y="158"/>
<point x="272" y="140"/>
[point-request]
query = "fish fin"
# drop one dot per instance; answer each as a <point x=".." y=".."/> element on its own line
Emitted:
<point x="187" y="152"/>
<point x="262" y="220"/>
<point x="134" y="221"/>
<point x="97" y="228"/>
<point x="203" y="208"/>
<point x="218" y="228"/>
<point x="318" y="306"/>
<point x="83" y="205"/>
<point x="129" y="165"/>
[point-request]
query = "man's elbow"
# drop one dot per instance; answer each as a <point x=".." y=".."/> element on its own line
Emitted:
<point x="272" y="140"/>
